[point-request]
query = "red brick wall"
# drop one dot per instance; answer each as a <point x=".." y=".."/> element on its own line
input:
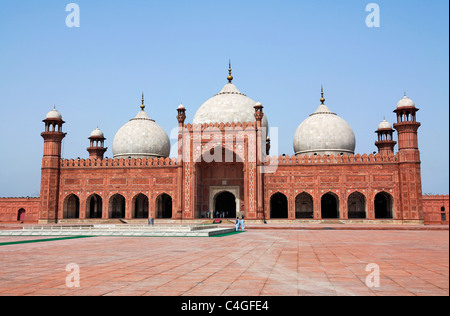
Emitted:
<point x="432" y="206"/>
<point x="151" y="177"/>
<point x="341" y="176"/>
<point x="10" y="207"/>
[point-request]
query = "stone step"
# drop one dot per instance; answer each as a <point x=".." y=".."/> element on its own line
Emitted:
<point x="96" y="232"/>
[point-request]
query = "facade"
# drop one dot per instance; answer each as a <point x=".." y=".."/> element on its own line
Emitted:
<point x="436" y="209"/>
<point x="224" y="169"/>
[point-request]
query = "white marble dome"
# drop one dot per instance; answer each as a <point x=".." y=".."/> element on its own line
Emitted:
<point x="228" y="106"/>
<point x="323" y="132"/>
<point x="405" y="102"/>
<point x="54" y="114"/>
<point x="141" y="137"/>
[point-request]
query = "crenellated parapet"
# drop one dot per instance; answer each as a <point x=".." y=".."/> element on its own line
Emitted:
<point x="436" y="196"/>
<point x="331" y="159"/>
<point x="221" y="126"/>
<point x="111" y="163"/>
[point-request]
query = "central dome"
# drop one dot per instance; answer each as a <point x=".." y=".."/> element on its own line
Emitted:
<point x="228" y="106"/>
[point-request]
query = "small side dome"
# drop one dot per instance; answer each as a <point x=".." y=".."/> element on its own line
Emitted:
<point x="141" y="137"/>
<point x="405" y="102"/>
<point x="53" y="114"/>
<point x="385" y="125"/>
<point x="324" y="133"/>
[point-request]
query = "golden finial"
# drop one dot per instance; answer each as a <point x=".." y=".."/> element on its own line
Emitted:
<point x="230" y="77"/>
<point x="142" y="105"/>
<point x="322" y="99"/>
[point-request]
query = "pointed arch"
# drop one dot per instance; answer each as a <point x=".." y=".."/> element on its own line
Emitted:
<point x="117" y="206"/>
<point x="140" y="206"/>
<point x="304" y="206"/>
<point x="71" y="207"/>
<point x="278" y="206"/>
<point x="163" y="209"/>
<point x="384" y="203"/>
<point x="225" y="205"/>
<point x="330" y="206"/>
<point x="94" y="206"/>
<point x="356" y="206"/>
<point x="21" y="215"/>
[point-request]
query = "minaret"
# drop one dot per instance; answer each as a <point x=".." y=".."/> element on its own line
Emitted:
<point x="50" y="171"/>
<point x="411" y="208"/>
<point x="182" y="134"/>
<point x="261" y="150"/>
<point x="385" y="141"/>
<point x="407" y="127"/>
<point x="97" y="145"/>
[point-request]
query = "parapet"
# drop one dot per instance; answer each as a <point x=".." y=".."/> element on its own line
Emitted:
<point x="221" y="126"/>
<point x="435" y="196"/>
<point x="111" y="163"/>
<point x="332" y="159"/>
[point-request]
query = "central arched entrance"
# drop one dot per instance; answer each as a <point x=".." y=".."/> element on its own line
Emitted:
<point x="225" y="205"/>
<point x="218" y="176"/>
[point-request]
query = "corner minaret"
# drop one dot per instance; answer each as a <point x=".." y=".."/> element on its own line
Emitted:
<point x="407" y="128"/>
<point x="385" y="141"/>
<point x="97" y="145"/>
<point x="410" y="177"/>
<point x="50" y="171"/>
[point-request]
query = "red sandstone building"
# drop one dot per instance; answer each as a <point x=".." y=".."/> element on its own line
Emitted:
<point x="224" y="169"/>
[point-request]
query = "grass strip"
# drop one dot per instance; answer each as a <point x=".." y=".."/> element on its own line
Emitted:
<point x="228" y="234"/>
<point x="41" y="240"/>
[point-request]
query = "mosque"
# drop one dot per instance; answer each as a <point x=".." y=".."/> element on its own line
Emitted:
<point x="224" y="169"/>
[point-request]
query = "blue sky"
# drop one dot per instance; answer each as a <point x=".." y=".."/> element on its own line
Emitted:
<point x="177" y="51"/>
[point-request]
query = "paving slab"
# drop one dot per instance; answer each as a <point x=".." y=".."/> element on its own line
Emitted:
<point x="256" y="262"/>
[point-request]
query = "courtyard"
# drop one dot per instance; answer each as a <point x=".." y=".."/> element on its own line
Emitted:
<point x="257" y="262"/>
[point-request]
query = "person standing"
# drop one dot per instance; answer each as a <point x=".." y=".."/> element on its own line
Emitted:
<point x="237" y="224"/>
<point x="242" y="223"/>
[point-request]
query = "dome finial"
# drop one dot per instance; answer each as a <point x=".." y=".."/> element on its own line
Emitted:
<point x="322" y="99"/>
<point x="230" y="77"/>
<point x="142" y="105"/>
